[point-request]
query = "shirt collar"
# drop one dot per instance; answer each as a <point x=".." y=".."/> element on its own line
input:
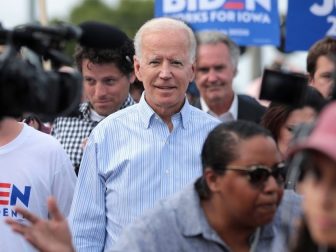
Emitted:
<point x="193" y="222"/>
<point x="147" y="113"/>
<point x="128" y="102"/>
<point x="191" y="217"/>
<point x="94" y="116"/>
<point x="233" y="110"/>
<point x="234" y="107"/>
<point x="86" y="109"/>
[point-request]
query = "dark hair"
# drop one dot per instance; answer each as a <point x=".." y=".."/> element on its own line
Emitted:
<point x="30" y="117"/>
<point x="277" y="113"/>
<point x="275" y="117"/>
<point x="122" y="56"/>
<point x="220" y="148"/>
<point x="324" y="47"/>
<point x="314" y="99"/>
<point x="304" y="242"/>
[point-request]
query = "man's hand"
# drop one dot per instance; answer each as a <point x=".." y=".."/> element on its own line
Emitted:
<point x="46" y="235"/>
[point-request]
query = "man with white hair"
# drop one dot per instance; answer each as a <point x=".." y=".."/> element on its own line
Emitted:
<point x="217" y="61"/>
<point x="145" y="152"/>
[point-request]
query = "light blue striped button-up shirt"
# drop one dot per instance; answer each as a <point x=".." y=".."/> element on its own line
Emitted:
<point x="131" y="161"/>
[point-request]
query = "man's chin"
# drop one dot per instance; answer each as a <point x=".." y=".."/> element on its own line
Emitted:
<point x="104" y="112"/>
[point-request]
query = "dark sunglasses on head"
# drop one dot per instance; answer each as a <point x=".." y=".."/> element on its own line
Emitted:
<point x="259" y="174"/>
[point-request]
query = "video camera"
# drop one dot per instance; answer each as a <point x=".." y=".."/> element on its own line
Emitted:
<point x="25" y="86"/>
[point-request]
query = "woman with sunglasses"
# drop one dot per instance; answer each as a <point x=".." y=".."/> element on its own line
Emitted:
<point x="233" y="206"/>
<point x="242" y="186"/>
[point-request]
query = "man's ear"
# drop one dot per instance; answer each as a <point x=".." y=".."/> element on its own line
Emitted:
<point x="137" y="68"/>
<point x="310" y="78"/>
<point x="193" y="71"/>
<point x="131" y="77"/>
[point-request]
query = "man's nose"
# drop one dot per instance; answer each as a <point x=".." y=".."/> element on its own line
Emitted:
<point x="165" y="71"/>
<point x="100" y="89"/>
<point x="212" y="75"/>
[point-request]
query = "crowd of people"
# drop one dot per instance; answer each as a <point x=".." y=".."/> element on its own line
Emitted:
<point x="160" y="172"/>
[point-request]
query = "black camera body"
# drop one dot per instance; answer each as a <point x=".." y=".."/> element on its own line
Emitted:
<point x="283" y="87"/>
<point x="25" y="86"/>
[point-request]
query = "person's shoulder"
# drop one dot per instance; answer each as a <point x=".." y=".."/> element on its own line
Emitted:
<point x="64" y="122"/>
<point x="205" y="117"/>
<point x="290" y="207"/>
<point x="250" y="100"/>
<point x="150" y="231"/>
<point x="164" y="212"/>
<point x="291" y="197"/>
<point x="158" y="228"/>
<point x="39" y="135"/>
<point x="119" y="120"/>
<point x="170" y="211"/>
<point x="156" y="222"/>
<point x="250" y="109"/>
<point x="121" y="114"/>
<point x="45" y="142"/>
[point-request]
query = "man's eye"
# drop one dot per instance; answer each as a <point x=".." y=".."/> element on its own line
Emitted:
<point x="202" y="70"/>
<point x="177" y="63"/>
<point x="109" y="81"/>
<point x="89" y="81"/>
<point x="219" y="68"/>
<point x="327" y="76"/>
<point x="154" y="62"/>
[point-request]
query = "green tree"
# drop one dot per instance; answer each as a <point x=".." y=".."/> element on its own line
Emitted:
<point x="128" y="15"/>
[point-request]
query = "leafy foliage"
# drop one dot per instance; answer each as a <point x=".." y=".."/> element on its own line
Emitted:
<point x="129" y="15"/>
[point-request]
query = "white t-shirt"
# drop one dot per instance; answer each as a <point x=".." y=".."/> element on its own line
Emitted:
<point x="32" y="167"/>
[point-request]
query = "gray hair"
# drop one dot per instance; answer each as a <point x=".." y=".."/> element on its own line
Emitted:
<point x="214" y="37"/>
<point x="163" y="23"/>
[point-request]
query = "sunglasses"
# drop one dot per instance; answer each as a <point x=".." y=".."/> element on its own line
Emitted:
<point x="259" y="174"/>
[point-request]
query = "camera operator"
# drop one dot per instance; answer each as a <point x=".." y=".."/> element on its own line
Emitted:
<point x="34" y="165"/>
<point x="107" y="75"/>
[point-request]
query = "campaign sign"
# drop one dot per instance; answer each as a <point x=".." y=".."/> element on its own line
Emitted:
<point x="309" y="21"/>
<point x="247" y="22"/>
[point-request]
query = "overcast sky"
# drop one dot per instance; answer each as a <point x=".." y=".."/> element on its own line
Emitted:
<point x="16" y="12"/>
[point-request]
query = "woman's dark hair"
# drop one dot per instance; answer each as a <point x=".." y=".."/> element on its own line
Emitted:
<point x="277" y="114"/>
<point x="275" y="117"/>
<point x="221" y="148"/>
<point x="304" y="242"/>
<point x="314" y="99"/>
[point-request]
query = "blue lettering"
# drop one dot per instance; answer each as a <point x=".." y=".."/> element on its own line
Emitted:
<point x="14" y="213"/>
<point x="8" y="212"/>
<point x="17" y="194"/>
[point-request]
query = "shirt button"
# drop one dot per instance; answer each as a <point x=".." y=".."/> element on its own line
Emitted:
<point x="167" y="171"/>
